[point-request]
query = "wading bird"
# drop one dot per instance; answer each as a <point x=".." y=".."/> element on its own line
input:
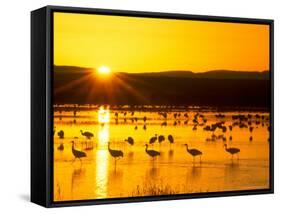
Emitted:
<point x="161" y="138"/>
<point x="61" y="147"/>
<point x="194" y="152"/>
<point x="87" y="134"/>
<point x="77" y="154"/>
<point x="114" y="153"/>
<point x="153" y="139"/>
<point x="130" y="140"/>
<point x="171" y="139"/>
<point x="144" y="127"/>
<point x="151" y="153"/>
<point x="232" y="151"/>
<point x="61" y="134"/>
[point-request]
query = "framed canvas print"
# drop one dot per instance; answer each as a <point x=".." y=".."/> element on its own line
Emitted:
<point x="138" y="106"/>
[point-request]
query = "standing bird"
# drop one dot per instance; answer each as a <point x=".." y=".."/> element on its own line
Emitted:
<point x="153" y="139"/>
<point x="161" y="138"/>
<point x="151" y="153"/>
<point x="171" y="139"/>
<point x="130" y="140"/>
<point x="61" y="134"/>
<point x="114" y="153"/>
<point x="87" y="134"/>
<point x="232" y="151"/>
<point x="61" y="147"/>
<point x="144" y="119"/>
<point x="144" y="127"/>
<point x="194" y="152"/>
<point x="77" y="154"/>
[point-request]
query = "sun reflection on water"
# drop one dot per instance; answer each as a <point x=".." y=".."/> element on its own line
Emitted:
<point x="102" y="153"/>
<point x="103" y="115"/>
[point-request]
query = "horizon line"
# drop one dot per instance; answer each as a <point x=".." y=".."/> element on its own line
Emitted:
<point x="162" y="71"/>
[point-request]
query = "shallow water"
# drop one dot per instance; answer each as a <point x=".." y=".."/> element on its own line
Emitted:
<point x="173" y="172"/>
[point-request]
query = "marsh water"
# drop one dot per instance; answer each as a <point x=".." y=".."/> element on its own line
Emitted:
<point x="99" y="175"/>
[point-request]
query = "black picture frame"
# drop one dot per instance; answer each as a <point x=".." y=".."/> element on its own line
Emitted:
<point x="42" y="108"/>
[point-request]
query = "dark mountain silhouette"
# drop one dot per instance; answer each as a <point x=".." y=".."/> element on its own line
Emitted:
<point x="215" y="74"/>
<point x="213" y="88"/>
<point x="71" y="69"/>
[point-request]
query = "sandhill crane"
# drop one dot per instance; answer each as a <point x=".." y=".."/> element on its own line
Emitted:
<point x="61" y="147"/>
<point x="77" y="154"/>
<point x="153" y="139"/>
<point x="194" y="152"/>
<point x="232" y="151"/>
<point x="161" y="138"/>
<point x="61" y="134"/>
<point x="87" y="134"/>
<point x="114" y="153"/>
<point x="171" y="139"/>
<point x="144" y="127"/>
<point x="130" y="140"/>
<point x="251" y="128"/>
<point x="164" y="114"/>
<point x="144" y="118"/>
<point x="151" y="153"/>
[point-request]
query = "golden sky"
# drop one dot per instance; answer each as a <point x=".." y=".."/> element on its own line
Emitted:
<point x="133" y="44"/>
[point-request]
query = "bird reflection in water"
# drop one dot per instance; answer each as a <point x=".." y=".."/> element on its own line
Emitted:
<point x="171" y="154"/>
<point x="231" y="172"/>
<point x="77" y="177"/>
<point x="130" y="156"/>
<point x="196" y="172"/>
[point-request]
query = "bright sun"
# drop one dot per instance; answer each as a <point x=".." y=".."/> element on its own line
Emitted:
<point x="104" y="69"/>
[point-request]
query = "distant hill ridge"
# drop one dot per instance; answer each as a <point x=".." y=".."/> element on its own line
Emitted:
<point x="212" y="74"/>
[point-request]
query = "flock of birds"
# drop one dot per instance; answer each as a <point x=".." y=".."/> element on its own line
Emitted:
<point x="241" y="121"/>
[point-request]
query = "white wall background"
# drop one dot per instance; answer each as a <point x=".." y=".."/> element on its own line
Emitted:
<point x="15" y="105"/>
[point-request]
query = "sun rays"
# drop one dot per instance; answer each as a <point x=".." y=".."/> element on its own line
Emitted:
<point x="103" y="86"/>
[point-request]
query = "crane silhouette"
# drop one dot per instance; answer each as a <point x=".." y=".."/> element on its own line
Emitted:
<point x="161" y="138"/>
<point x="144" y="127"/>
<point x="61" y="147"/>
<point x="130" y="140"/>
<point x="232" y="151"/>
<point x="87" y="134"/>
<point x="114" y="153"/>
<point x="151" y="153"/>
<point x="194" y="152"/>
<point x="77" y="154"/>
<point x="153" y="139"/>
<point x="171" y="139"/>
<point x="61" y="134"/>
